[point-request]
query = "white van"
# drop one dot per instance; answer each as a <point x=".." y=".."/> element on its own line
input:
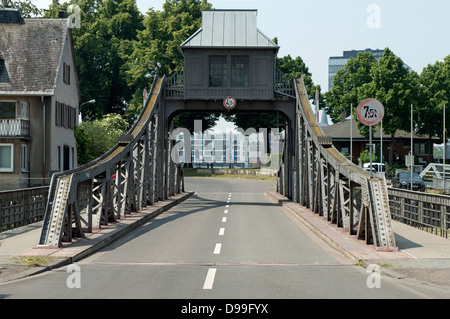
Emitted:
<point x="376" y="167"/>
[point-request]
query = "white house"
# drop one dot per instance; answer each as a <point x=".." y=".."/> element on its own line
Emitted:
<point x="39" y="99"/>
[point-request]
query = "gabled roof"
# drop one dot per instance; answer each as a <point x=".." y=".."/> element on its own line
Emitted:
<point x="229" y="28"/>
<point x="31" y="52"/>
<point x="341" y="131"/>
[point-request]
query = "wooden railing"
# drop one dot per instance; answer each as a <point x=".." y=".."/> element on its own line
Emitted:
<point x="430" y="212"/>
<point x="14" y="128"/>
<point x="22" y="207"/>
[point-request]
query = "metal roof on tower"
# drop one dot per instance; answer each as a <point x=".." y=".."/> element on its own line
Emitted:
<point x="229" y="28"/>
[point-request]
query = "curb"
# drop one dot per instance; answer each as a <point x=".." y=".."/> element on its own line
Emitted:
<point x="286" y="204"/>
<point x="123" y="230"/>
<point x="127" y="229"/>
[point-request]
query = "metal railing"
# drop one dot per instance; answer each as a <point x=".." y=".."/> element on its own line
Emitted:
<point x="174" y="87"/>
<point x="430" y="212"/>
<point x="283" y="86"/>
<point x="22" y="207"/>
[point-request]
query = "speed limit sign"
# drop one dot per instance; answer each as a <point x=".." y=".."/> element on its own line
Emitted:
<point x="370" y="112"/>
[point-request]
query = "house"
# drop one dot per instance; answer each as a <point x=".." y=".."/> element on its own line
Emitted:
<point x="342" y="131"/>
<point x="39" y="100"/>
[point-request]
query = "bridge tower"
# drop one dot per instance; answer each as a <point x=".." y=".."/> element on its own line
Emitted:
<point x="229" y="60"/>
<point x="230" y="65"/>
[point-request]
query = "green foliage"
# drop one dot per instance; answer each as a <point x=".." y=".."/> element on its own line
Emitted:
<point x="97" y="137"/>
<point x="435" y="85"/>
<point x="365" y="157"/>
<point x="346" y="83"/>
<point x="389" y="81"/>
<point x="296" y="68"/>
<point x="187" y="120"/>
<point x="155" y="49"/>
<point x="27" y="8"/>
<point x="102" y="45"/>
<point x="254" y="120"/>
<point x="396" y="87"/>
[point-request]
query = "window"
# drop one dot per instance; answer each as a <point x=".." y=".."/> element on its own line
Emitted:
<point x="7" y="110"/>
<point x="72" y="158"/>
<point x="24" y="111"/>
<point x="6" y="157"/>
<point x="65" y="115"/>
<point x="66" y="73"/>
<point x="239" y="71"/>
<point x="58" y="158"/>
<point x="24" y="156"/>
<point x="421" y="148"/>
<point x="218" y="71"/>
<point x="3" y="72"/>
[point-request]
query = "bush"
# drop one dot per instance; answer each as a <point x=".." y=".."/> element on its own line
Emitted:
<point x="365" y="157"/>
<point x="97" y="137"/>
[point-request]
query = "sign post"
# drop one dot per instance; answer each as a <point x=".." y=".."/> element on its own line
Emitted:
<point x="370" y="112"/>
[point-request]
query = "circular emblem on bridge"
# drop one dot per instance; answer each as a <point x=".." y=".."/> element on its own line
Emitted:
<point x="229" y="103"/>
<point x="370" y="112"/>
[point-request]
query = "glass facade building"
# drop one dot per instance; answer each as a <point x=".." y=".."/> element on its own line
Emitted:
<point x="228" y="150"/>
<point x="337" y="63"/>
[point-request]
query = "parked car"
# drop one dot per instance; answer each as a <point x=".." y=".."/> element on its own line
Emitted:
<point x="403" y="180"/>
<point x="376" y="168"/>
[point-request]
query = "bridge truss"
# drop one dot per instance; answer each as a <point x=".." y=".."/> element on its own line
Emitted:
<point x="139" y="172"/>
<point x="330" y="185"/>
<point x="131" y="176"/>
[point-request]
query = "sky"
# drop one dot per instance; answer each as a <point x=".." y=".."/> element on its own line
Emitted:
<point x="417" y="31"/>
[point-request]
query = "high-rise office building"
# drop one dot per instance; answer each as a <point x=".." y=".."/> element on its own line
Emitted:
<point x="337" y="63"/>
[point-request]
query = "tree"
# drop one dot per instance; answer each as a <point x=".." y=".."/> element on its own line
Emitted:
<point x="344" y="93"/>
<point x="97" y="137"/>
<point x="295" y="69"/>
<point x="102" y="44"/>
<point x="396" y="87"/>
<point x="155" y="50"/>
<point x="435" y="92"/>
<point x="26" y="7"/>
<point x="187" y="120"/>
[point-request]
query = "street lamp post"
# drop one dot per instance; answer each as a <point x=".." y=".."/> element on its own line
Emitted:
<point x="411" y="158"/>
<point x="88" y="102"/>
<point x="443" y="166"/>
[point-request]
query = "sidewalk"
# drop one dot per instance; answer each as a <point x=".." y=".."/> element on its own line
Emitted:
<point x="19" y="247"/>
<point x="421" y="255"/>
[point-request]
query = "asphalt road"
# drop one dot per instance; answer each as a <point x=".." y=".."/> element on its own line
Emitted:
<point x="228" y="241"/>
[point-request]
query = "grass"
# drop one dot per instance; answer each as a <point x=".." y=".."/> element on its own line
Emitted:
<point x="32" y="262"/>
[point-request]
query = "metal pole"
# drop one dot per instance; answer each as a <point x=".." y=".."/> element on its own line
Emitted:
<point x="351" y="132"/>
<point x="443" y="166"/>
<point x="370" y="143"/>
<point x="411" y="158"/>
<point x="381" y="146"/>
<point x="317" y="106"/>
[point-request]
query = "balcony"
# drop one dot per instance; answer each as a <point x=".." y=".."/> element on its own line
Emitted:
<point x="14" y="128"/>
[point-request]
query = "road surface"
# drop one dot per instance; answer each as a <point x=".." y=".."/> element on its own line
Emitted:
<point x="227" y="241"/>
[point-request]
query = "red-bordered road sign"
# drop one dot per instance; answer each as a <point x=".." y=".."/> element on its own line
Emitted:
<point x="229" y="103"/>
<point x="370" y="112"/>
